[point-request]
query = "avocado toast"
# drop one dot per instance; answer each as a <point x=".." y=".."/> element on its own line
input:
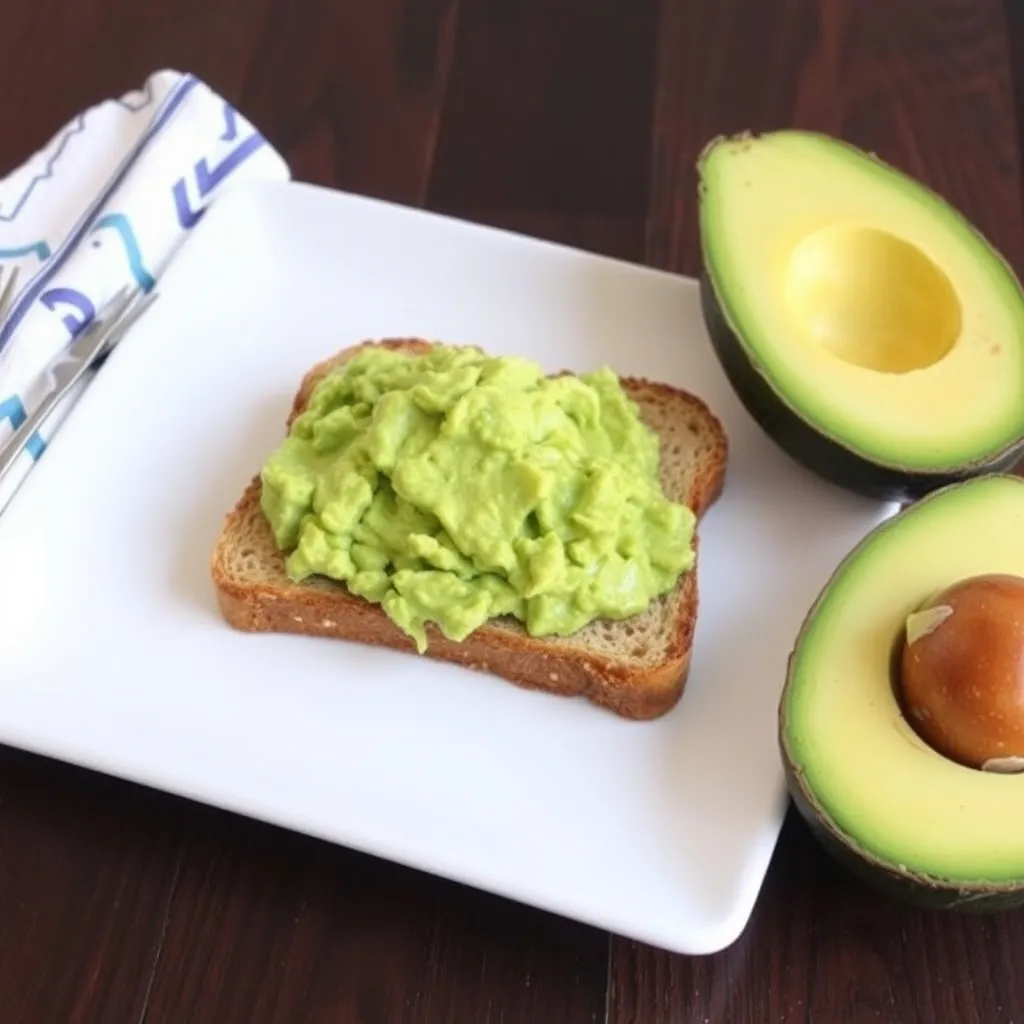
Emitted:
<point x="636" y="667"/>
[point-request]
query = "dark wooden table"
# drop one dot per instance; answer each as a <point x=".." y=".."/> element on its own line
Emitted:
<point x="577" y="120"/>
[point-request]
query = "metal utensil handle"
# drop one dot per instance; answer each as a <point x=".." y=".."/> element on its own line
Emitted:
<point x="20" y="438"/>
<point x="121" y="320"/>
<point x="9" y="288"/>
<point x="63" y="383"/>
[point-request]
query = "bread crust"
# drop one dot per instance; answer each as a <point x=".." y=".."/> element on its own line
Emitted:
<point x="323" y="608"/>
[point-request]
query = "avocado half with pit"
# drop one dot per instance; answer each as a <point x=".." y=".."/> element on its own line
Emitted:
<point x="901" y="722"/>
<point x="862" y="321"/>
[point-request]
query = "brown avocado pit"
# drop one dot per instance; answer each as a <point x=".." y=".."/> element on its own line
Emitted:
<point x="961" y="672"/>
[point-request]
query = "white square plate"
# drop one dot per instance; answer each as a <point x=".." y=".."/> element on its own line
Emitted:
<point x="113" y="656"/>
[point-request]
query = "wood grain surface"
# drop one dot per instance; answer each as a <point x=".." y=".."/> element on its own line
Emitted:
<point x="574" y="120"/>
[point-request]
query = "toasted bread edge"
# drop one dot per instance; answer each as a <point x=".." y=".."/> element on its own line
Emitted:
<point x="533" y="663"/>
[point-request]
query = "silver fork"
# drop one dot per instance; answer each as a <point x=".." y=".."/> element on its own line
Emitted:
<point x="67" y="368"/>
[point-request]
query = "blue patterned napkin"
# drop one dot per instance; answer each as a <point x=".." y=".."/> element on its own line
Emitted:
<point x="105" y="204"/>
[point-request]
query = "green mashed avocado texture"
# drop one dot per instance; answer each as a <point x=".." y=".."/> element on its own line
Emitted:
<point x="454" y="487"/>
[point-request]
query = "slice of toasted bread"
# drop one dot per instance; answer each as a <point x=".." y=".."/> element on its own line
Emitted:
<point x="636" y="667"/>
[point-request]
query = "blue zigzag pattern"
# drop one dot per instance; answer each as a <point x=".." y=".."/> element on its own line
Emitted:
<point x="123" y="227"/>
<point x="76" y="127"/>
<point x="40" y="249"/>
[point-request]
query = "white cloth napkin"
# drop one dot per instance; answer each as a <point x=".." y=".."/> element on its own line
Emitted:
<point x="104" y="204"/>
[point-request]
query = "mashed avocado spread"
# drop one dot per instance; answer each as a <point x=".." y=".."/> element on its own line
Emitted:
<point x="453" y="487"/>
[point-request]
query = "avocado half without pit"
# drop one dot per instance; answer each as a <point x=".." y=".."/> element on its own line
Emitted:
<point x="871" y="331"/>
<point x="901" y="722"/>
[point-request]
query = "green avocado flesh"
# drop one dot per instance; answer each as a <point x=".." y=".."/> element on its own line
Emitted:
<point x="455" y="487"/>
<point x="863" y="301"/>
<point x="876" y="787"/>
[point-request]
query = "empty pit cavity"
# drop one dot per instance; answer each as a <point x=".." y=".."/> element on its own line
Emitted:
<point x="871" y="299"/>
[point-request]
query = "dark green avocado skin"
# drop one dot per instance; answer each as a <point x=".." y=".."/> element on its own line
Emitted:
<point x="804" y="444"/>
<point x="916" y="891"/>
